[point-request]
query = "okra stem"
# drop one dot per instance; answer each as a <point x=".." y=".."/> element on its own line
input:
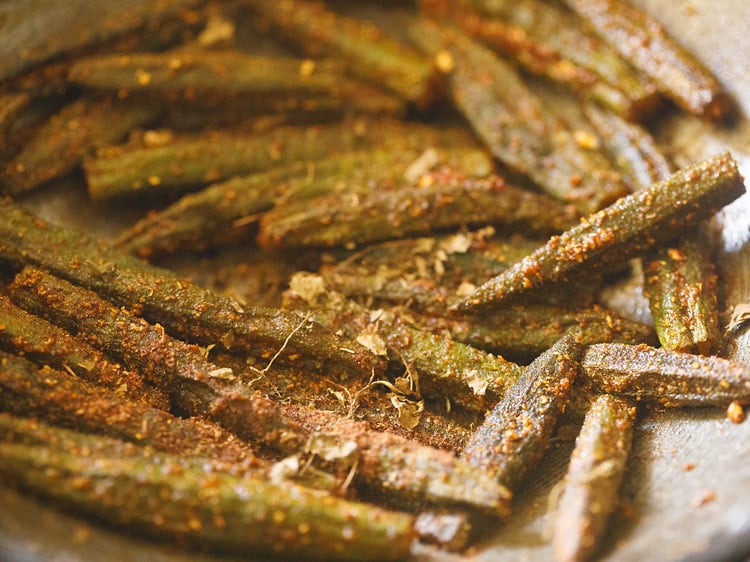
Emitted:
<point x="623" y="230"/>
<point x="440" y="200"/>
<point x="669" y="378"/>
<point x="183" y="308"/>
<point x="643" y="42"/>
<point x="591" y="486"/>
<point x="516" y="432"/>
<point x="168" y="496"/>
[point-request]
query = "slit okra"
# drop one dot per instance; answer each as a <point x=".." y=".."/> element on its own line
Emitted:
<point x="625" y="229"/>
<point x="591" y="485"/>
<point x="518" y="128"/>
<point x="438" y="200"/>
<point x="183" y="308"/>
<point x="169" y="496"/>
<point x="664" y="377"/>
<point x="516" y="432"/>
<point x="548" y="40"/>
<point x="45" y="343"/>
<point x="644" y="43"/>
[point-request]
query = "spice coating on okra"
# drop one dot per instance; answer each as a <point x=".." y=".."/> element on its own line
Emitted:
<point x="438" y="200"/>
<point x="170" y="496"/>
<point x="515" y="433"/>
<point x="664" y="377"/>
<point x="515" y="124"/>
<point x="366" y="50"/>
<point x="590" y="492"/>
<point x="45" y="343"/>
<point x="644" y="43"/>
<point x="625" y="229"/>
<point x="64" y="399"/>
<point x="182" y="307"/>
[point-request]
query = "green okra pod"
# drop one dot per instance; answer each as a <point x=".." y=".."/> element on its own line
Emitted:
<point x="517" y="127"/>
<point x="682" y="287"/>
<point x="228" y="211"/>
<point x="516" y="432"/>
<point x="441" y="200"/>
<point x="365" y="50"/>
<point x="169" y="496"/>
<point x="194" y="384"/>
<point x="182" y="307"/>
<point x="590" y="492"/>
<point x="59" y="145"/>
<point x="187" y="161"/>
<point x="644" y="43"/>
<point x="64" y="399"/>
<point x="547" y="40"/>
<point x="623" y="230"/>
<point x="526" y="331"/>
<point x="46" y="343"/>
<point x="665" y="377"/>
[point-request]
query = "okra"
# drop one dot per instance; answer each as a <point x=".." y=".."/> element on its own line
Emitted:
<point x="524" y="332"/>
<point x="183" y="308"/>
<point x="644" y="43"/>
<point x="446" y="368"/>
<point x="590" y="492"/>
<point x="682" y="286"/>
<point x="59" y="146"/>
<point x="228" y="211"/>
<point x="516" y="126"/>
<point x="547" y="40"/>
<point x="187" y="161"/>
<point x="516" y="432"/>
<point x="668" y="378"/>
<point x="39" y="36"/>
<point x="625" y="229"/>
<point x="46" y="343"/>
<point x="365" y="50"/>
<point x="169" y="496"/>
<point x="194" y="384"/>
<point x="64" y="399"/>
<point x="440" y="200"/>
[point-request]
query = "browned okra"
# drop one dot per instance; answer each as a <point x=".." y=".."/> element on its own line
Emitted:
<point x="682" y="288"/>
<point x="169" y="496"/>
<point x="669" y="378"/>
<point x="76" y="130"/>
<point x="644" y="43"/>
<point x="623" y="230"/>
<point x="41" y="38"/>
<point x="228" y="211"/>
<point x="443" y="199"/>
<point x="547" y="40"/>
<point x="186" y="161"/>
<point x="517" y="127"/>
<point x="590" y="492"/>
<point x="61" y="398"/>
<point x="516" y="432"/>
<point x="523" y="332"/>
<point x="194" y="384"/>
<point x="182" y="307"/>
<point x="47" y="344"/>
<point x="365" y="50"/>
<point x="446" y="369"/>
